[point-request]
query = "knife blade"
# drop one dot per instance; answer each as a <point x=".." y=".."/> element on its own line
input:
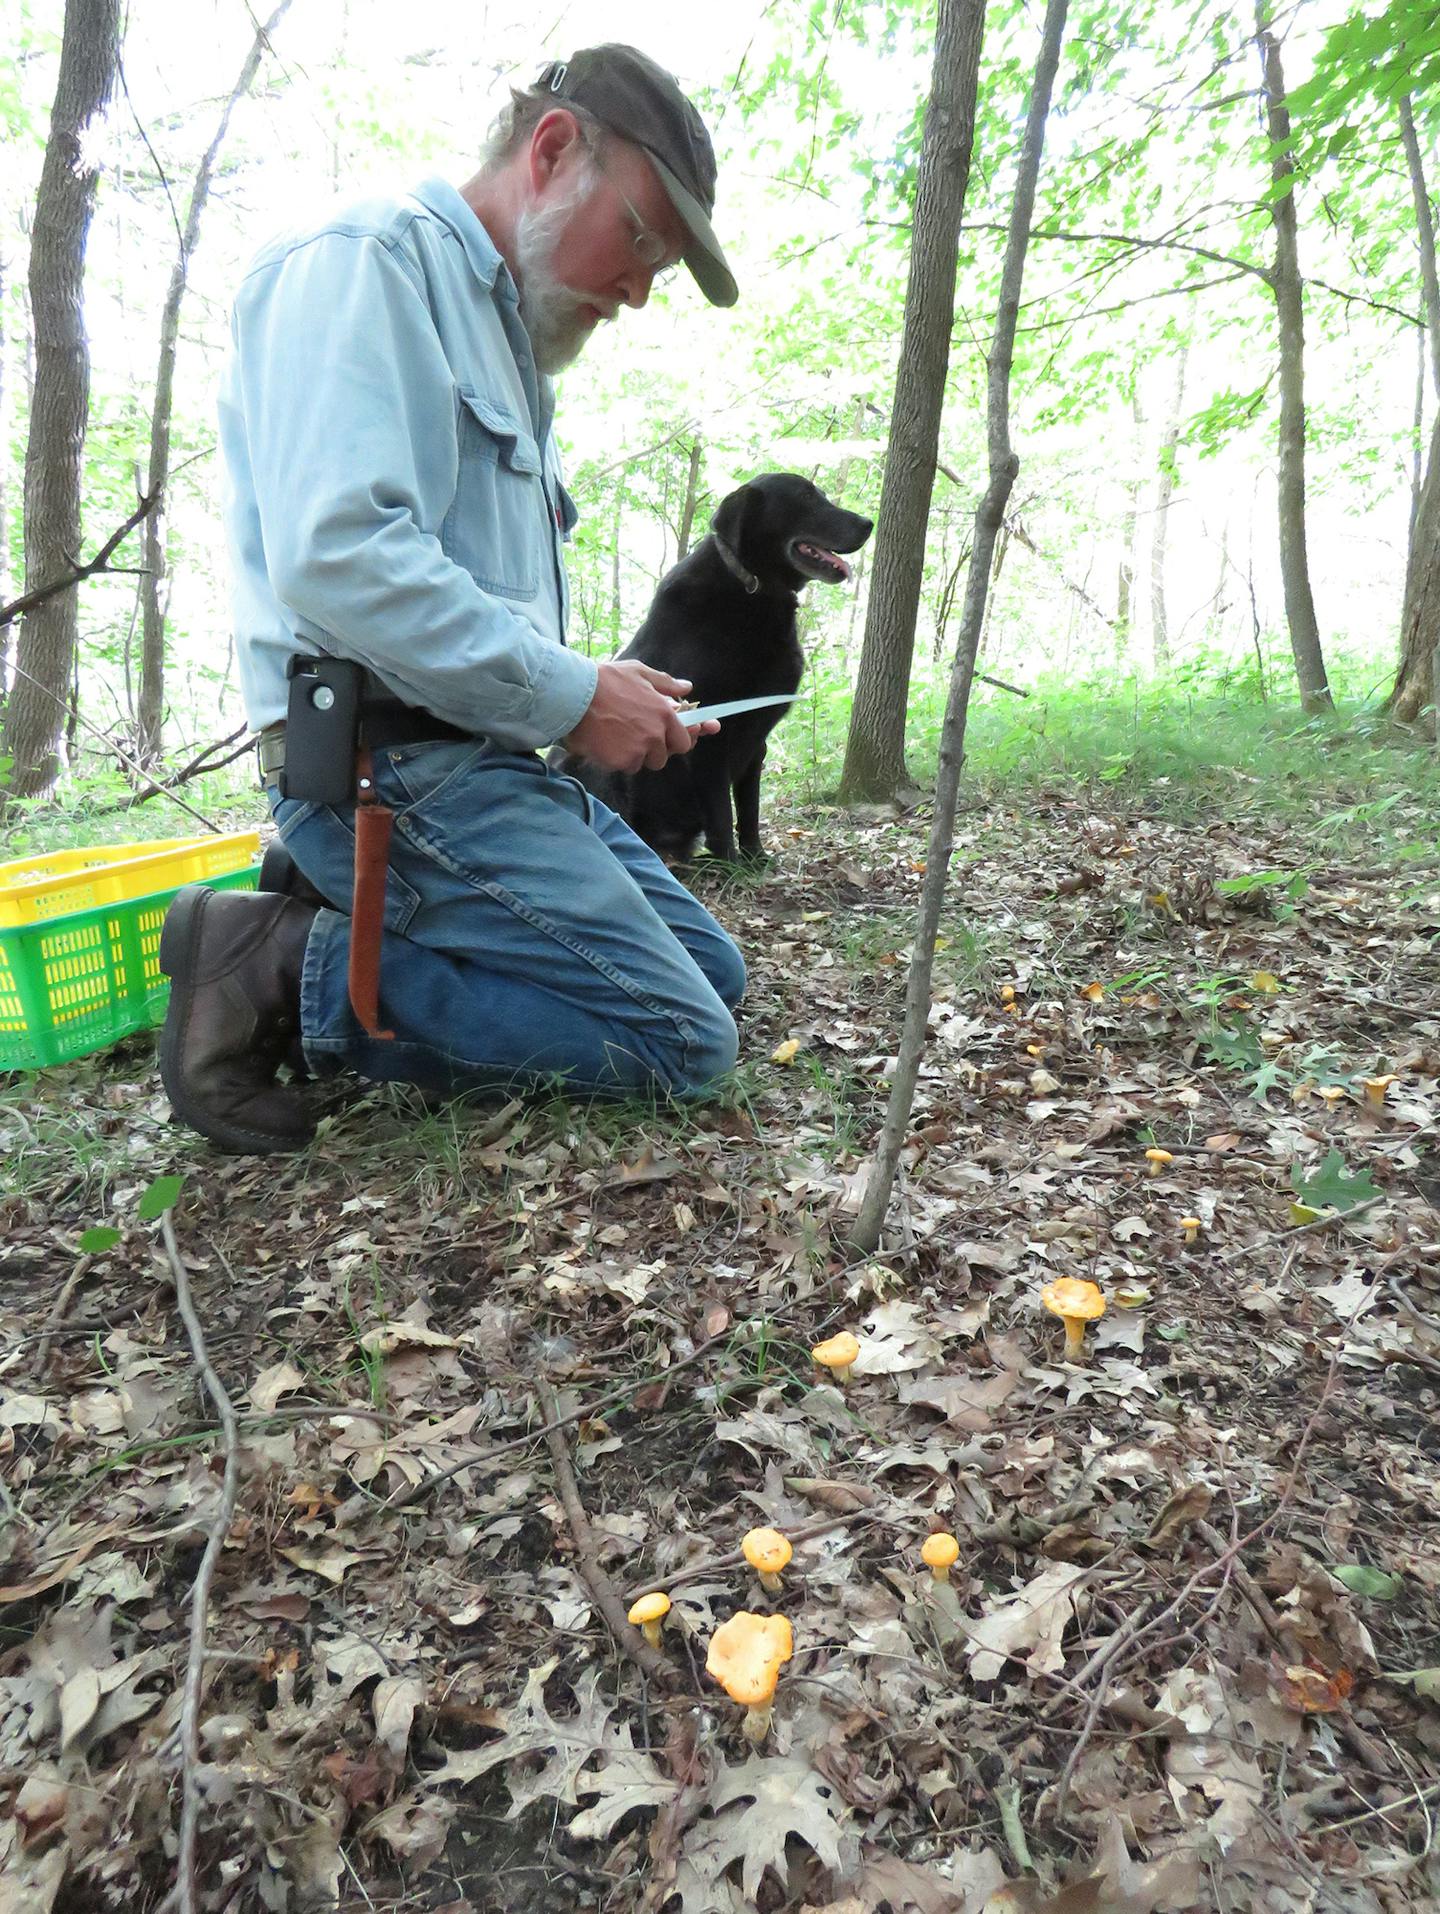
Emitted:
<point x="734" y="707"/>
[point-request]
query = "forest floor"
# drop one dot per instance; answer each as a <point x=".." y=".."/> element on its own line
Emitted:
<point x="1189" y="1656"/>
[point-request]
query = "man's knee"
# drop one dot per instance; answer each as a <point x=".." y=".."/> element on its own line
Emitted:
<point x="711" y="1052"/>
<point x="725" y="969"/>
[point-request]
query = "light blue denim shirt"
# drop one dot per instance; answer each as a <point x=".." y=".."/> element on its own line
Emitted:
<point x="394" y="491"/>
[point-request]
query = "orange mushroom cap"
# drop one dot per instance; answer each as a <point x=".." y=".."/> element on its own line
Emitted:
<point x="649" y="1608"/>
<point x="746" y="1653"/>
<point x="766" y="1550"/>
<point x="838" y="1353"/>
<point x="1073" y="1297"/>
<point x="940" y="1550"/>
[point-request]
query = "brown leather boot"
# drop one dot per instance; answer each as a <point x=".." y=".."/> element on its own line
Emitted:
<point x="233" y="959"/>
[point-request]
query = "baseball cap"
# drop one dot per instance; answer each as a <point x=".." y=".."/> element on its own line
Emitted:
<point x="633" y="97"/>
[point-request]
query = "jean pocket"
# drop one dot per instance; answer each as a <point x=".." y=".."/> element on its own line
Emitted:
<point x="412" y="775"/>
<point x="498" y="526"/>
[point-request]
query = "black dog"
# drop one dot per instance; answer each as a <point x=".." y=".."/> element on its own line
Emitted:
<point x="724" y="617"/>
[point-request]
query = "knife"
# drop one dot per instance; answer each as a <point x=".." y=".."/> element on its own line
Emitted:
<point x="733" y="709"/>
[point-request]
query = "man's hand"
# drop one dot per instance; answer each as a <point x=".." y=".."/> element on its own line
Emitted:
<point x="631" y="723"/>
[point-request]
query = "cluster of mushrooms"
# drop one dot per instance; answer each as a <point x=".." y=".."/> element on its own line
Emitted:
<point x="748" y="1652"/>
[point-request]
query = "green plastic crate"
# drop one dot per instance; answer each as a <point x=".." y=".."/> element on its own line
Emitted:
<point x="79" y="982"/>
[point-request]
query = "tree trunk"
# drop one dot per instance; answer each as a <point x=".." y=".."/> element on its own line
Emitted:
<point x="615" y="564"/>
<point x="1164" y="492"/>
<point x="154" y="582"/>
<point x="1290" y="301"/>
<point x="45" y="646"/>
<point x="692" y="486"/>
<point x="4" y="486"/>
<point x="1424" y="234"/>
<point x="1130" y="533"/>
<point x="1420" y="617"/>
<point x="989" y="517"/>
<point x="875" y="749"/>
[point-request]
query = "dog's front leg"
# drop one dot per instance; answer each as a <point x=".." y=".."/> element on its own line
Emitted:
<point x="713" y="793"/>
<point x="747" y="807"/>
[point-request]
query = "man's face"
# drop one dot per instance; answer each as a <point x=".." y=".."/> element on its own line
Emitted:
<point x="575" y="242"/>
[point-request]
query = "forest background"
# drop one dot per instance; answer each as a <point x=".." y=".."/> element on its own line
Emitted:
<point x="1139" y="558"/>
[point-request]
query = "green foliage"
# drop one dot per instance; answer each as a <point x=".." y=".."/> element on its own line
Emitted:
<point x="1361" y="1579"/>
<point x="1331" y="1187"/>
<point x="161" y="1195"/>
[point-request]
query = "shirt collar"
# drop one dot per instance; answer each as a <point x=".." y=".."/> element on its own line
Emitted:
<point x="444" y="201"/>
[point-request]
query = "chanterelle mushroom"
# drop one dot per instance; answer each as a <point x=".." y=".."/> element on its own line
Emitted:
<point x="1157" y="1159"/>
<point x="1076" y="1303"/>
<point x="837" y="1355"/>
<point x="745" y="1657"/>
<point x="938" y="1553"/>
<point x="767" y="1552"/>
<point x="1192" y="1226"/>
<point x="648" y="1614"/>
<point x="1375" y="1088"/>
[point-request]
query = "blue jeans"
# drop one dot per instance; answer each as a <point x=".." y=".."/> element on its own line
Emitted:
<point x="530" y="937"/>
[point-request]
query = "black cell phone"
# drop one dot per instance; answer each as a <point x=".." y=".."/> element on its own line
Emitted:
<point x="322" y="722"/>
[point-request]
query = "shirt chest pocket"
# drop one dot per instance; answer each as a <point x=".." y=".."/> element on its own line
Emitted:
<point x="498" y="524"/>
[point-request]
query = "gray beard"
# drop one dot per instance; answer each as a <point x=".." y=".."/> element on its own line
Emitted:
<point x="551" y="313"/>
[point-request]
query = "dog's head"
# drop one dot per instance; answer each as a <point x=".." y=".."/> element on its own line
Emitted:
<point x="783" y="532"/>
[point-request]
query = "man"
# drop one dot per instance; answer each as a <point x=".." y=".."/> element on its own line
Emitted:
<point x="395" y="499"/>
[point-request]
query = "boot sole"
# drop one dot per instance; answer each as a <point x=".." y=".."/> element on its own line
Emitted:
<point x="179" y="944"/>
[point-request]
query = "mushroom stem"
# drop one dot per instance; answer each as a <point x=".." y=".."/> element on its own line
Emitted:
<point x="1074" y="1338"/>
<point x="769" y="1581"/>
<point x="651" y="1632"/>
<point x="940" y="1572"/>
<point x="841" y="1372"/>
<point x="756" y="1724"/>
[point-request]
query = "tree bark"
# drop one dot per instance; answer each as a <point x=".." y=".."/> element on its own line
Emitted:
<point x="46" y="642"/>
<point x="615" y="564"/>
<point x="875" y="749"/>
<point x="155" y="583"/>
<point x="1164" y="492"/>
<point x="1290" y="302"/>
<point x="692" y="487"/>
<point x="989" y="517"/>
<point x="1420" y="615"/>
<point x="1130" y="532"/>
<point x="1424" y="234"/>
<point x="4" y="483"/>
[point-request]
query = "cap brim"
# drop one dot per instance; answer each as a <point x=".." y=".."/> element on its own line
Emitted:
<point x="703" y="255"/>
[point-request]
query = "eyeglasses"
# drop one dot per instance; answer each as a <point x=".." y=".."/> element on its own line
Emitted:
<point x="650" y="248"/>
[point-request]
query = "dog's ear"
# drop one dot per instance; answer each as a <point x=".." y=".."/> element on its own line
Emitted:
<point x="734" y="516"/>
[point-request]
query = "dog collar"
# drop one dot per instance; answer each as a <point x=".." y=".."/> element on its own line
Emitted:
<point x="731" y="561"/>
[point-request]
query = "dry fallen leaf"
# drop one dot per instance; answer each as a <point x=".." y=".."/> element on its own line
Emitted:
<point x="331" y="1563"/>
<point x="1032" y="1620"/>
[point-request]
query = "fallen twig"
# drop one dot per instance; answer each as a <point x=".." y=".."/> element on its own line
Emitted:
<point x="1408" y="1308"/>
<point x="182" y="1896"/>
<point x="736" y="1557"/>
<point x="57" y="1311"/>
<point x="631" y="1643"/>
<point x="419" y="1490"/>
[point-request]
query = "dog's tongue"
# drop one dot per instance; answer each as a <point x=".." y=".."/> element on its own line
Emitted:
<point x="832" y="558"/>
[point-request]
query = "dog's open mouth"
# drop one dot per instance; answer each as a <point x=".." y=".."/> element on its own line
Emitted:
<point x="816" y="562"/>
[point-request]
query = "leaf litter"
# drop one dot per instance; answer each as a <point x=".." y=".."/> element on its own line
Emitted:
<point x="1187" y="1657"/>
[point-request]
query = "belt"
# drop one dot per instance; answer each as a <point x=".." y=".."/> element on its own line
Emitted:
<point x="384" y="722"/>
